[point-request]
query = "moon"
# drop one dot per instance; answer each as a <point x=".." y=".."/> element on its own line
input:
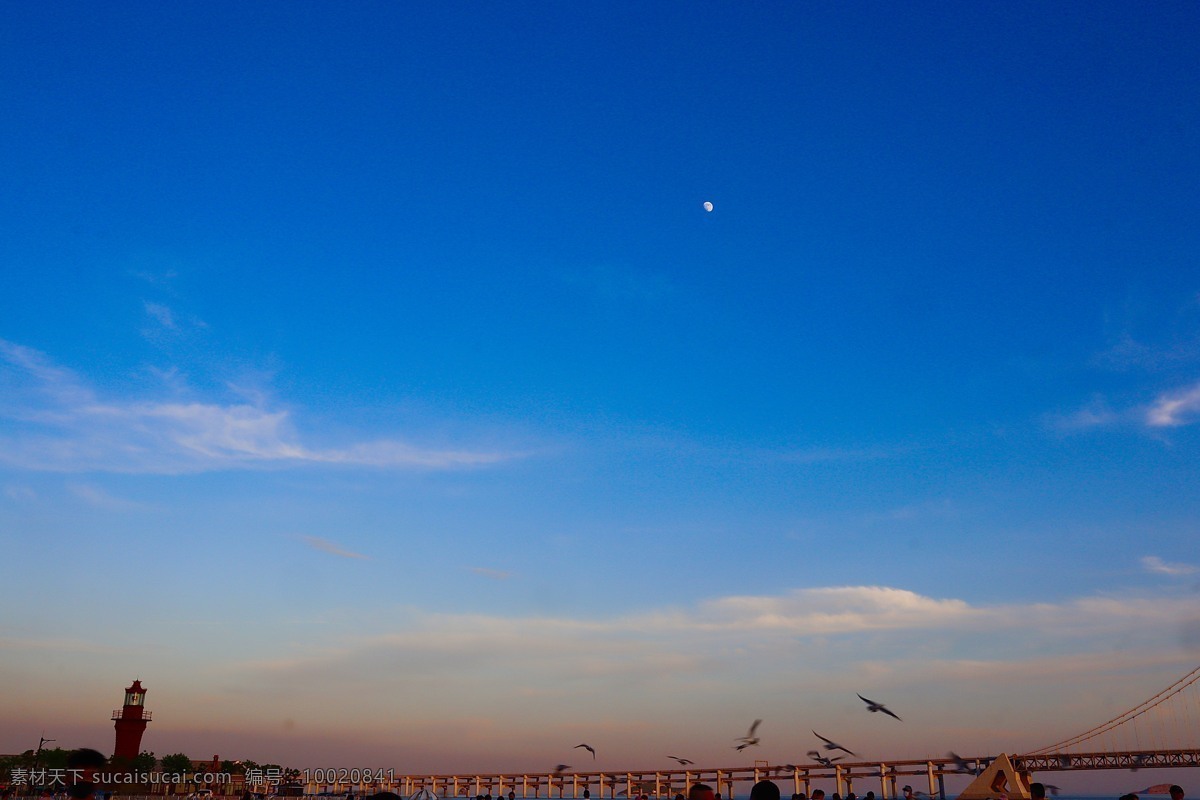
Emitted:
<point x="708" y="206"/>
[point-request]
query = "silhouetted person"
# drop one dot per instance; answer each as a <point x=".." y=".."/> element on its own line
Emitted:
<point x="764" y="790"/>
<point x="82" y="766"/>
<point x="818" y="794"/>
<point x="1037" y="791"/>
<point x="701" y="791"/>
<point x="1176" y="792"/>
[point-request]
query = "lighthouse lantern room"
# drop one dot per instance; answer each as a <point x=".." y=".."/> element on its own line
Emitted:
<point x="130" y="722"/>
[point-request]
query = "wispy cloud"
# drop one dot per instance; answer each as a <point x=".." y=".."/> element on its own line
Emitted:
<point x="98" y="498"/>
<point x="1173" y="409"/>
<point x="326" y="546"/>
<point x="724" y="629"/>
<point x="66" y="426"/>
<point x="1128" y="353"/>
<point x="1158" y="566"/>
<point x="1096" y="414"/>
<point x="160" y="277"/>
<point x="20" y="493"/>
<point x="162" y="314"/>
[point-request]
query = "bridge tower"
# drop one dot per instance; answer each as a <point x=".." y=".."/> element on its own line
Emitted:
<point x="130" y="722"/>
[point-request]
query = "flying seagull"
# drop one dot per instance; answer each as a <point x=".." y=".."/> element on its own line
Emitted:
<point x="961" y="764"/>
<point x="749" y="740"/>
<point x="683" y="762"/>
<point x="561" y="767"/>
<point x="822" y="760"/>
<point x="872" y="706"/>
<point x="587" y="747"/>
<point x="832" y="745"/>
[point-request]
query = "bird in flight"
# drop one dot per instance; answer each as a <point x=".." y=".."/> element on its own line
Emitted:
<point x="832" y="745"/>
<point x="961" y="764"/>
<point x="561" y="767"/>
<point x="822" y="760"/>
<point x="683" y="762"/>
<point x="749" y="740"/>
<point x="872" y="706"/>
<point x="587" y="747"/>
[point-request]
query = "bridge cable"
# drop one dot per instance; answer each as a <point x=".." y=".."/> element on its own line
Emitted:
<point x="1127" y="716"/>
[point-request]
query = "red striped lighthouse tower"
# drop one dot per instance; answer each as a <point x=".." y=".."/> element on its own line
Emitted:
<point x="130" y="722"/>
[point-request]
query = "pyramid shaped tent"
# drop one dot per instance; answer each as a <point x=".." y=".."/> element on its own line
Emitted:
<point x="1001" y="777"/>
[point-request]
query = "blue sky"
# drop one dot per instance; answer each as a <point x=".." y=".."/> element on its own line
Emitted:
<point x="389" y="348"/>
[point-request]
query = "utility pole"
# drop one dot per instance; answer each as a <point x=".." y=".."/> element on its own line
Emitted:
<point x="38" y="752"/>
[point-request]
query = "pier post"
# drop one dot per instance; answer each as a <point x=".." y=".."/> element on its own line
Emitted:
<point x="838" y="782"/>
<point x="883" y="783"/>
<point x="929" y="773"/>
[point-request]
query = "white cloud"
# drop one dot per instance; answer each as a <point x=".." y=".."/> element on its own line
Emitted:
<point x="64" y="426"/>
<point x="326" y="546"/>
<point x="1157" y="565"/>
<point x="1174" y="409"/>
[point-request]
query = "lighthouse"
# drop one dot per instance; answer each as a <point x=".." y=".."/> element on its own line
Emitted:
<point x="130" y="722"/>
